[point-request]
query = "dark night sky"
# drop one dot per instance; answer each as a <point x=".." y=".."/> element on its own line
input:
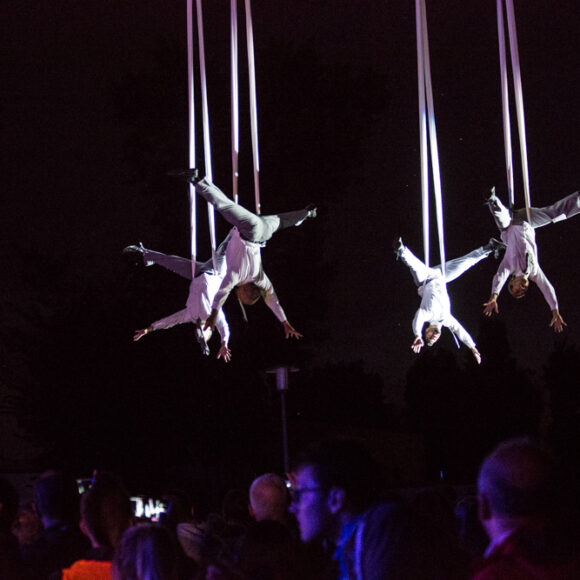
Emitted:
<point x="94" y="112"/>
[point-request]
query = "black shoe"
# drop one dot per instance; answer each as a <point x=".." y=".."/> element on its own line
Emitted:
<point x="189" y="175"/>
<point x="201" y="338"/>
<point x="135" y="253"/>
<point x="134" y="250"/>
<point x="495" y="246"/>
<point x="492" y="200"/>
<point x="398" y="246"/>
<point x="311" y="209"/>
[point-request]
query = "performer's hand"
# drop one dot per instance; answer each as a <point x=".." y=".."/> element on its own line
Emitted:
<point x="476" y="355"/>
<point x="225" y="353"/>
<point x="210" y="322"/>
<point x="141" y="333"/>
<point x="289" y="331"/>
<point x="557" y="321"/>
<point x="417" y="345"/>
<point x="491" y="306"/>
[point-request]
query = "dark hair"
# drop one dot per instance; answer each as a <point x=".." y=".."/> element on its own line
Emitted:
<point x="146" y="552"/>
<point x="106" y="510"/>
<point x="519" y="478"/>
<point x="56" y="497"/>
<point x="344" y="463"/>
<point x="9" y="503"/>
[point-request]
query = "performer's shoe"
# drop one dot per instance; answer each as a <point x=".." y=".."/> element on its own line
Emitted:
<point x="136" y="253"/>
<point x="495" y="246"/>
<point x="311" y="209"/>
<point x="398" y="246"/>
<point x="189" y="175"/>
<point x="492" y="201"/>
<point x="201" y="338"/>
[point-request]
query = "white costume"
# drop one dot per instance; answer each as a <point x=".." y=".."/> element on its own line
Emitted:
<point x="202" y="289"/>
<point x="244" y="265"/>
<point x="249" y="234"/>
<point x="521" y="255"/>
<point x="435" y="306"/>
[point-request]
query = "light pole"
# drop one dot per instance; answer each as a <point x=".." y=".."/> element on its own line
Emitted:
<point x="282" y="387"/>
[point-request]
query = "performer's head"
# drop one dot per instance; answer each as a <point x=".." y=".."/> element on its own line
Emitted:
<point x="432" y="334"/>
<point x="248" y="294"/>
<point x="518" y="286"/>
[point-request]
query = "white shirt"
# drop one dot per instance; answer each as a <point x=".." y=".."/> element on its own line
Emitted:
<point x="244" y="266"/>
<point x="436" y="309"/>
<point x="521" y="258"/>
<point x="202" y="291"/>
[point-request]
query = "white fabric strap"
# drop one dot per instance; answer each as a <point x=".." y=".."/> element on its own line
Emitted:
<point x="205" y="122"/>
<point x="235" y="97"/>
<point x="519" y="97"/>
<point x="519" y="101"/>
<point x="253" y="104"/>
<point x="191" y="101"/>
<point x="422" y="133"/>
<point x="507" y="134"/>
<point x="428" y="91"/>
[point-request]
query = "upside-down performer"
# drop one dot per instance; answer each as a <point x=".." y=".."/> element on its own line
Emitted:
<point x="243" y="258"/>
<point x="202" y="290"/>
<point x="520" y="263"/>
<point x="435" y="309"/>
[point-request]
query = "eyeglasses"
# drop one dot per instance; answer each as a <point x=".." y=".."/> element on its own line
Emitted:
<point x="296" y="494"/>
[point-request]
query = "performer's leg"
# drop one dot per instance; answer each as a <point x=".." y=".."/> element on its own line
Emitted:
<point x="500" y="213"/>
<point x="561" y="210"/>
<point x="454" y="268"/>
<point x="293" y="218"/>
<point x="251" y="226"/>
<point x="419" y="271"/>
<point x="175" y="264"/>
<point x="172" y="320"/>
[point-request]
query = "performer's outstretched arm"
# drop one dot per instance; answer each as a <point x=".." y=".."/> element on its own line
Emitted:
<point x="456" y="327"/>
<point x="557" y="321"/>
<point x="289" y="331"/>
<point x="417" y="345"/>
<point x="491" y="306"/>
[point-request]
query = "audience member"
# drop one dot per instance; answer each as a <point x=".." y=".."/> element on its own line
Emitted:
<point x="106" y="513"/>
<point x="10" y="563"/>
<point x="335" y="500"/>
<point x="518" y="497"/>
<point x="61" y="542"/>
<point x="146" y="552"/>
<point x="337" y="494"/>
<point x="269" y="498"/>
<point x="28" y="526"/>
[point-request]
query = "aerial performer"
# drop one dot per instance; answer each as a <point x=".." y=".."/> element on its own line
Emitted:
<point x="202" y="291"/>
<point x="520" y="263"/>
<point x="250" y="233"/>
<point x="435" y="309"/>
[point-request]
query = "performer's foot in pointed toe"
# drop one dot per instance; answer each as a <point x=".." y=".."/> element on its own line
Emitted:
<point x="492" y="200"/>
<point x="311" y="209"/>
<point x="398" y="246"/>
<point x="136" y="253"/>
<point x="201" y="338"/>
<point x="189" y="175"/>
<point x="495" y="246"/>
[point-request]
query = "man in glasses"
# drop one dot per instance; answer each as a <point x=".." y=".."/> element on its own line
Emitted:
<point x="335" y="497"/>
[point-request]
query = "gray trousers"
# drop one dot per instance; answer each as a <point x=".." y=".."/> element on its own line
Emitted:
<point x="182" y="266"/>
<point x="539" y="216"/>
<point x="453" y="268"/>
<point x="252" y="227"/>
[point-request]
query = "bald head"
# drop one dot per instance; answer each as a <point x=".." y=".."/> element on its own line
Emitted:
<point x="269" y="498"/>
<point x="518" y="479"/>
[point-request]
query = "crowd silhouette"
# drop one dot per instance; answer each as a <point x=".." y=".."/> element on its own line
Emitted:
<point x="333" y="518"/>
